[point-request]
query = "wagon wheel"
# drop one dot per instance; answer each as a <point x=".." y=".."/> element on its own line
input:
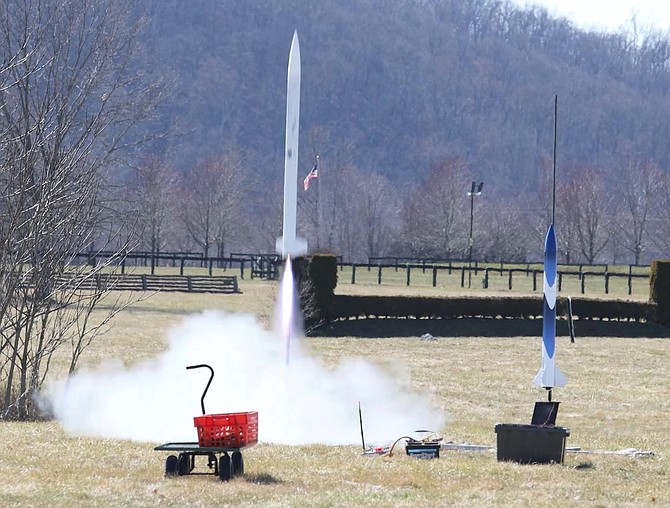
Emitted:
<point x="238" y="463"/>
<point x="171" y="465"/>
<point x="184" y="464"/>
<point x="225" y="468"/>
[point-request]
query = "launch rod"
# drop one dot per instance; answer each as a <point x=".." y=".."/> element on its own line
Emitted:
<point x="360" y="419"/>
<point x="553" y="201"/>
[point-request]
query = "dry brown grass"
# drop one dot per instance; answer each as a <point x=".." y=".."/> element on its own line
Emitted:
<point x="617" y="398"/>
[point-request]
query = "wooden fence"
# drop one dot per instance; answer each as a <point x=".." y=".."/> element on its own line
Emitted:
<point x="593" y="280"/>
<point x="154" y="260"/>
<point x="148" y="282"/>
<point x="426" y="272"/>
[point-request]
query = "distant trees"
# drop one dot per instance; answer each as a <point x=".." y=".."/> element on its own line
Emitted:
<point x="378" y="214"/>
<point x="634" y="200"/>
<point x="436" y="212"/>
<point x="213" y="195"/>
<point x="501" y="232"/>
<point x="586" y="208"/>
<point x="153" y="194"/>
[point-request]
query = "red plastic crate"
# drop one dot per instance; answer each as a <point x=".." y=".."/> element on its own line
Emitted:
<point x="227" y="430"/>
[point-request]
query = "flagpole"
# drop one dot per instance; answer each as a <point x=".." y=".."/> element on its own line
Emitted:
<point x="318" y="208"/>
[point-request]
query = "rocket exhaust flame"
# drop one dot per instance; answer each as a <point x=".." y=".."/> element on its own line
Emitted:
<point x="287" y="304"/>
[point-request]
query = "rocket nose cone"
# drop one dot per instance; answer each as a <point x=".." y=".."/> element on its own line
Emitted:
<point x="294" y="59"/>
<point x="550" y="240"/>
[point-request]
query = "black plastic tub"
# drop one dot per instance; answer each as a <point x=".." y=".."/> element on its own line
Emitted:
<point x="531" y="444"/>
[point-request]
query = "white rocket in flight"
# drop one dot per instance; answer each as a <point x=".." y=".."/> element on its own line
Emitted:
<point x="289" y="243"/>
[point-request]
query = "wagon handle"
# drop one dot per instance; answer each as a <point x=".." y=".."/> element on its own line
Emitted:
<point x="211" y="376"/>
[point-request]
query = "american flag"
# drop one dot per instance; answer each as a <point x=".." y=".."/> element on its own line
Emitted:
<point x="312" y="174"/>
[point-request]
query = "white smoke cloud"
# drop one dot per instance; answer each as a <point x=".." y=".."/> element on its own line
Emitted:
<point x="301" y="403"/>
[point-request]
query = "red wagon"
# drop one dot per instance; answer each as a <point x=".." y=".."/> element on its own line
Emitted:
<point x="221" y="438"/>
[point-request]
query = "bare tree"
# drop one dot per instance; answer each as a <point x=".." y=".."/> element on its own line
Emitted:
<point x="378" y="211"/>
<point x="584" y="203"/>
<point x="436" y="211"/>
<point x="213" y="211"/>
<point x="344" y="236"/>
<point x="504" y="238"/>
<point x="635" y="195"/>
<point x="153" y="193"/>
<point x="69" y="101"/>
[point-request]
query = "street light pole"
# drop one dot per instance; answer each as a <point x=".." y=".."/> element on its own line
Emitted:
<point x="476" y="190"/>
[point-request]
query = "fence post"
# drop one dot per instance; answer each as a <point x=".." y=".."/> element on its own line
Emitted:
<point x="630" y="282"/>
<point x="408" y="272"/>
<point x="509" y="283"/>
<point x="485" y="280"/>
<point x="560" y="281"/>
<point x="463" y="277"/>
<point x="379" y="275"/>
<point x="434" y="276"/>
<point x="607" y="283"/>
<point x="534" y="280"/>
<point x="583" y="278"/>
<point x="353" y="273"/>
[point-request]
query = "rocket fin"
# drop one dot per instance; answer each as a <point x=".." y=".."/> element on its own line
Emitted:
<point x="559" y="378"/>
<point x="550" y="377"/>
<point x="295" y="247"/>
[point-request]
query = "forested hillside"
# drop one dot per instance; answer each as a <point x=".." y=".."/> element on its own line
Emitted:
<point x="401" y="85"/>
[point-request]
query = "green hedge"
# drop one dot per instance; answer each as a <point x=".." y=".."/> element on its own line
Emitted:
<point x="524" y="307"/>
<point x="659" y="289"/>
<point x="316" y="279"/>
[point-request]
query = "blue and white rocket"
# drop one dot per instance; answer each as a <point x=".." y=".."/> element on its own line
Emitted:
<point x="550" y="375"/>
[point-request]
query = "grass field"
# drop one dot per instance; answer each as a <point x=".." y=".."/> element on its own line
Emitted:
<point x="480" y="375"/>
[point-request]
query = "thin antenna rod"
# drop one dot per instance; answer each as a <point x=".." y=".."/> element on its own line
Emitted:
<point x="360" y="418"/>
<point x="553" y="201"/>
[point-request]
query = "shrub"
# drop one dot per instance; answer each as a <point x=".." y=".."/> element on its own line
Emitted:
<point x="659" y="289"/>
